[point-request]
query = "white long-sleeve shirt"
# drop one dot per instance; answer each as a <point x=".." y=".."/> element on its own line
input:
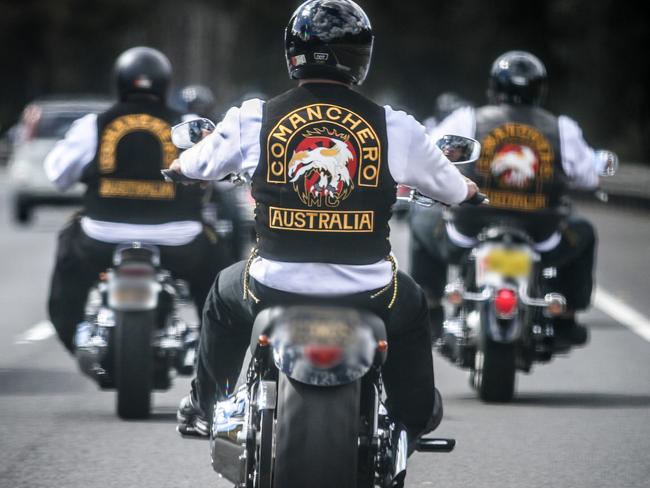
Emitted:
<point x="578" y="159"/>
<point x="413" y="160"/>
<point x="64" y="166"/>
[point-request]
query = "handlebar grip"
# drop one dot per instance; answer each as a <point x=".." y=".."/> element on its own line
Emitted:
<point x="176" y="177"/>
<point x="478" y="199"/>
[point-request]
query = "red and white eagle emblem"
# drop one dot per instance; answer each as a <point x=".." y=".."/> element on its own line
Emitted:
<point x="323" y="168"/>
<point x="515" y="165"/>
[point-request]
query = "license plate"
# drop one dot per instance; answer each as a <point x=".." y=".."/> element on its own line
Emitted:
<point x="507" y="262"/>
<point x="132" y="296"/>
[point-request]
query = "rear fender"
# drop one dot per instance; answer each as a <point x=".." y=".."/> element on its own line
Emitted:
<point x="500" y="330"/>
<point x="326" y="346"/>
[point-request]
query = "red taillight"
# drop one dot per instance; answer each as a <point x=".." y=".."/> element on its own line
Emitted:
<point x="323" y="356"/>
<point x="505" y="302"/>
<point x="403" y="191"/>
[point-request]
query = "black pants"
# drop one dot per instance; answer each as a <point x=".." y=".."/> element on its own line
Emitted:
<point x="574" y="257"/>
<point x="228" y="321"/>
<point x="80" y="259"/>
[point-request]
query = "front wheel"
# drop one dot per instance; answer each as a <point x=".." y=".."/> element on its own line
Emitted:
<point x="317" y="435"/>
<point x="134" y="363"/>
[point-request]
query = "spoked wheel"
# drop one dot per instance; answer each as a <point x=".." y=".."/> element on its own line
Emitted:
<point x="265" y="449"/>
<point x="494" y="372"/>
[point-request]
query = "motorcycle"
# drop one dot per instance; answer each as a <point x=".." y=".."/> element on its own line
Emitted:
<point x="500" y="306"/>
<point x="134" y="336"/>
<point x="310" y="411"/>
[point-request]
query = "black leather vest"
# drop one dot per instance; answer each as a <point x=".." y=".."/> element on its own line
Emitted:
<point x="323" y="188"/>
<point x="520" y="170"/>
<point x="123" y="181"/>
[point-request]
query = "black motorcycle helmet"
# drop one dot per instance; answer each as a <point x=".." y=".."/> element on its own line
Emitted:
<point x="196" y="99"/>
<point x="517" y="77"/>
<point x="329" y="39"/>
<point x="142" y="70"/>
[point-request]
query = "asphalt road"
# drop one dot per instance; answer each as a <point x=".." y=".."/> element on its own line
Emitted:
<point x="580" y="421"/>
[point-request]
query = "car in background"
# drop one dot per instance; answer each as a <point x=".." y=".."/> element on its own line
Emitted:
<point x="43" y="122"/>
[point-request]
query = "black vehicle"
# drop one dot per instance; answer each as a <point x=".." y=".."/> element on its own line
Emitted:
<point x="500" y="305"/>
<point x="311" y="406"/>
<point x="134" y="336"/>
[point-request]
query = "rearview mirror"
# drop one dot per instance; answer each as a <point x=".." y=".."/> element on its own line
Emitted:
<point x="459" y="149"/>
<point x="187" y="134"/>
<point x="606" y="162"/>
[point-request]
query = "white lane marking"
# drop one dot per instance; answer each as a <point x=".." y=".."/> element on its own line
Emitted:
<point x="622" y="313"/>
<point x="38" y="332"/>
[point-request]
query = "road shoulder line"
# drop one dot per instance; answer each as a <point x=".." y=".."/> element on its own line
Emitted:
<point x="622" y="313"/>
<point x="38" y="332"/>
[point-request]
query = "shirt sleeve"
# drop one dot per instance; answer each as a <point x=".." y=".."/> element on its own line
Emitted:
<point x="66" y="161"/>
<point x="233" y="147"/>
<point x="578" y="159"/>
<point x="414" y="160"/>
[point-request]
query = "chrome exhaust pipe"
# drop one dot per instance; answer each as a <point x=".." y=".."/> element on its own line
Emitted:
<point x="228" y="435"/>
<point x="90" y="352"/>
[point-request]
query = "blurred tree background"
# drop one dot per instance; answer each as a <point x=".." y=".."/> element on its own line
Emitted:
<point x="592" y="50"/>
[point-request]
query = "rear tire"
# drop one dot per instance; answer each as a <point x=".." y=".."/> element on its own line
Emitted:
<point x="265" y="452"/>
<point x="494" y="372"/>
<point x="134" y="363"/>
<point x="317" y="435"/>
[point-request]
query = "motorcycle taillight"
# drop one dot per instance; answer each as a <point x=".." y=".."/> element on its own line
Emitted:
<point x="505" y="303"/>
<point x="323" y="356"/>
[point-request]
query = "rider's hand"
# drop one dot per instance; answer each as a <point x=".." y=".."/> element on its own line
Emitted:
<point x="472" y="188"/>
<point x="175" y="166"/>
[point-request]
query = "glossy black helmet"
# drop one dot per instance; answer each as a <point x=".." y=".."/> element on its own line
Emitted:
<point x="329" y="39"/>
<point x="196" y="99"/>
<point x="142" y="70"/>
<point x="517" y="77"/>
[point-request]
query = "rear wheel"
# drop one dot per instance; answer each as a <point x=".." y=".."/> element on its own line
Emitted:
<point x="494" y="372"/>
<point x="317" y="435"/>
<point x="134" y="363"/>
<point x="265" y="450"/>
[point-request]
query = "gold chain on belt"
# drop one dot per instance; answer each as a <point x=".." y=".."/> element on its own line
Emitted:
<point x="392" y="284"/>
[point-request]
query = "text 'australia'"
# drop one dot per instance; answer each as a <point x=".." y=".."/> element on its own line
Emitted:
<point x="320" y="220"/>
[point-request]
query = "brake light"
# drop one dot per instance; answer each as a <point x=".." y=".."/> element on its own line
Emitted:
<point x="505" y="303"/>
<point x="323" y="356"/>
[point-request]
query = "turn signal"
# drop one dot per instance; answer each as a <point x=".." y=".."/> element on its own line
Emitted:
<point x="555" y="304"/>
<point x="263" y="340"/>
<point x="454" y="293"/>
<point x="323" y="356"/>
<point x="505" y="303"/>
<point x="382" y="346"/>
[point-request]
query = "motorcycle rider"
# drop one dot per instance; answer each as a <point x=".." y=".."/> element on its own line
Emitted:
<point x="445" y="104"/>
<point x="529" y="159"/>
<point x="324" y="162"/>
<point x="118" y="154"/>
<point x="196" y="101"/>
<point x="222" y="204"/>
